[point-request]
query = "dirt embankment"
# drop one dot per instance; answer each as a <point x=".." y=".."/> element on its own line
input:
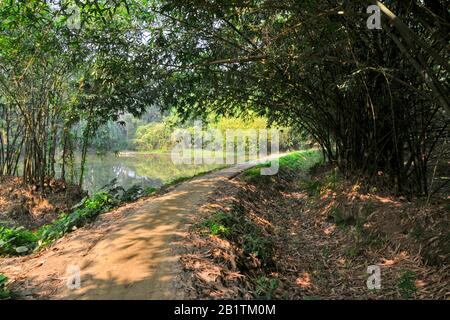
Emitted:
<point x="294" y="236"/>
<point x="23" y="205"/>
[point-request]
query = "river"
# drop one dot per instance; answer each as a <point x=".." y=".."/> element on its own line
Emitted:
<point x="146" y="170"/>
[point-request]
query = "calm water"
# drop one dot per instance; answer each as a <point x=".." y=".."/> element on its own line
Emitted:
<point x="150" y="170"/>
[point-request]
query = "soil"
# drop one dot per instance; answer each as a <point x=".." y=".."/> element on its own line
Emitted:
<point x="23" y="205"/>
<point x="311" y="256"/>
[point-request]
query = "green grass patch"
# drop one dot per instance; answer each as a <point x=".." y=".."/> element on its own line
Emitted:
<point x="218" y="224"/>
<point x="296" y="161"/>
<point x="4" y="292"/>
<point x="406" y="284"/>
<point x="265" y="287"/>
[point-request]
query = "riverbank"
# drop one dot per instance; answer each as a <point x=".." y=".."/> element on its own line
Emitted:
<point x="23" y="205"/>
<point x="129" y="252"/>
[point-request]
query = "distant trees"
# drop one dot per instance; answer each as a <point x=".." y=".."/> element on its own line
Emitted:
<point x="158" y="136"/>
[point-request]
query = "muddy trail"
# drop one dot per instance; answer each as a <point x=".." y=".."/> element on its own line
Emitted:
<point x="130" y="253"/>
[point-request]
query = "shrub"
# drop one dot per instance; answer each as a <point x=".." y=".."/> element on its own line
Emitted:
<point x="218" y="224"/>
<point x="16" y="241"/>
<point x="154" y="136"/>
<point x="100" y="202"/>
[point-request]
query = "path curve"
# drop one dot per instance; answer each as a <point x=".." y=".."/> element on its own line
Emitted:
<point x="138" y="258"/>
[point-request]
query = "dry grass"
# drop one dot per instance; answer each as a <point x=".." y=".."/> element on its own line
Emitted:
<point x="23" y="205"/>
<point x="323" y="237"/>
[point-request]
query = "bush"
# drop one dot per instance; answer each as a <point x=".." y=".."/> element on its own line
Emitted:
<point x="218" y="224"/>
<point x="16" y="241"/>
<point x="154" y="136"/>
<point x="91" y="207"/>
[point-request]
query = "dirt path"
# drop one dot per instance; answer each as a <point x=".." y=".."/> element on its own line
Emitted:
<point x="136" y="258"/>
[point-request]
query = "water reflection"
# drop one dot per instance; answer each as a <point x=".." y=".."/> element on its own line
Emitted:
<point x="144" y="170"/>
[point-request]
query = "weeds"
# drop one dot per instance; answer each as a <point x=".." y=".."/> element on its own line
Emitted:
<point x="406" y="284"/>
<point x="353" y="250"/>
<point x="16" y="241"/>
<point x="218" y="224"/>
<point x="4" y="292"/>
<point x="236" y="227"/>
<point x="149" y="191"/>
<point x="335" y="215"/>
<point x="308" y="298"/>
<point x="266" y="287"/>
<point x="89" y="210"/>
<point x="311" y="186"/>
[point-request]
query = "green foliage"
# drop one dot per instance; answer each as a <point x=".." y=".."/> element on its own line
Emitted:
<point x="311" y="186"/>
<point x="353" y="250"/>
<point x="99" y="202"/>
<point x="331" y="181"/>
<point x="295" y="161"/>
<point x="311" y="298"/>
<point x="149" y="191"/>
<point x="4" y="292"/>
<point x="153" y="136"/>
<point x="179" y="180"/>
<point x="257" y="244"/>
<point x="15" y="241"/>
<point x="218" y="224"/>
<point x="157" y="136"/>
<point x="336" y="216"/>
<point x="301" y="160"/>
<point x="265" y="287"/>
<point x="271" y="62"/>
<point x="406" y="284"/>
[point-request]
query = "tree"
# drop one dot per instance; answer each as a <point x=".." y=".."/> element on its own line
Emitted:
<point x="360" y="93"/>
